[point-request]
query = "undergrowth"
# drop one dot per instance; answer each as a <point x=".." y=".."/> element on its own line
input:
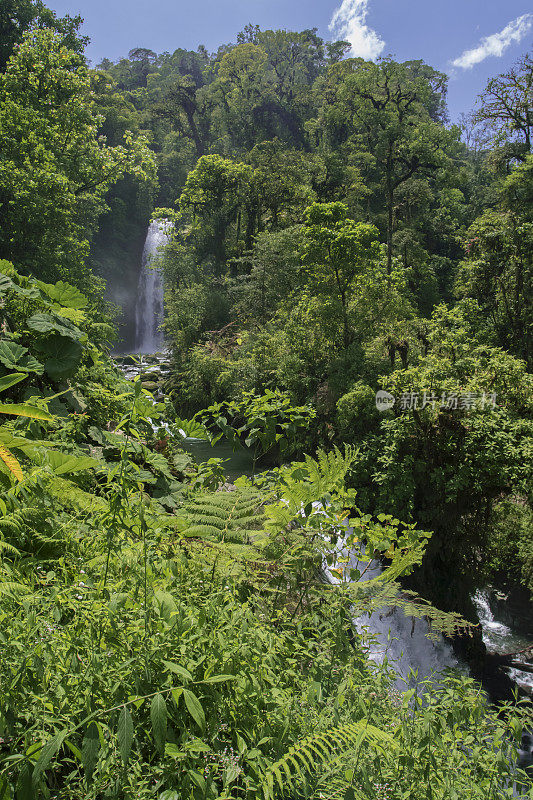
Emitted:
<point x="162" y="638"/>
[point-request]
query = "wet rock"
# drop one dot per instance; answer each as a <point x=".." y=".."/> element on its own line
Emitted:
<point x="513" y="607"/>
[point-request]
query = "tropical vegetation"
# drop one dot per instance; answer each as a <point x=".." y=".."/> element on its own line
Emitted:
<point x="165" y="632"/>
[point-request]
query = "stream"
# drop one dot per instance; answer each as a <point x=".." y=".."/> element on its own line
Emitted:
<point x="500" y="637"/>
<point x="392" y="636"/>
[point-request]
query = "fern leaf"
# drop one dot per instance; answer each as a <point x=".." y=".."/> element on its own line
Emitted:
<point x="12" y="588"/>
<point x="224" y="516"/>
<point x="5" y="547"/>
<point x="318" y="752"/>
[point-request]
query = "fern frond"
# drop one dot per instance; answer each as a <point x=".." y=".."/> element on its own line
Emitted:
<point x="72" y="497"/>
<point x="330" y="468"/>
<point x="224" y="516"/>
<point x="318" y="752"/>
<point x="14" y="521"/>
<point x="309" y="484"/>
<point x="5" y="547"/>
<point x="12" y="588"/>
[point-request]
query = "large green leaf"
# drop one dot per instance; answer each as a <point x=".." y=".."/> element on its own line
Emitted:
<point x="47" y="753"/>
<point x="194" y="707"/>
<point x="51" y="323"/>
<point x="5" y="283"/>
<point x="63" y="294"/>
<point x="14" y="356"/>
<point x="66" y="463"/>
<point x="89" y="750"/>
<point x="63" y="356"/>
<point x="29" y="447"/>
<point x="25" y="410"/>
<point x="11" y="353"/>
<point x="125" y="733"/>
<point x="191" y="429"/>
<point x="24" y="784"/>
<point x="11" y="463"/>
<point x="8" y="285"/>
<point x="158" y="717"/>
<point x="6" y="381"/>
<point x="170" y="666"/>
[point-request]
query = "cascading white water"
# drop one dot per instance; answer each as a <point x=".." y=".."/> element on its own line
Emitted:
<point x="400" y="639"/>
<point x="404" y="641"/>
<point x="500" y="638"/>
<point x="149" y="308"/>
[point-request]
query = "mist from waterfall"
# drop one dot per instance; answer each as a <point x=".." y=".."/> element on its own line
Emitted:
<point x="149" y="310"/>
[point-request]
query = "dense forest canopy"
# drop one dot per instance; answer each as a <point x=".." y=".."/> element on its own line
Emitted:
<point x="336" y="242"/>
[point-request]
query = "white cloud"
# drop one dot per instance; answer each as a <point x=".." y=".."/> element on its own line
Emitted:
<point x="349" y="22"/>
<point x="496" y="44"/>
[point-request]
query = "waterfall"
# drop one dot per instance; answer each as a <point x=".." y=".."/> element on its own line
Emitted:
<point x="149" y="308"/>
<point x="501" y="638"/>
<point x="400" y="639"/>
<point x="404" y="641"/>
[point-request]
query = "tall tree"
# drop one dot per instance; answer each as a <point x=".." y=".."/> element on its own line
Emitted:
<point x="334" y="249"/>
<point x="181" y="105"/>
<point x="54" y="168"/>
<point x="213" y="198"/>
<point x="506" y="107"/>
<point x="498" y="268"/>
<point x="17" y="16"/>
<point x="391" y="113"/>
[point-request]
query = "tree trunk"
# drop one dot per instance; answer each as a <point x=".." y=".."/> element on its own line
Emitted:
<point x="390" y="220"/>
<point x="198" y="143"/>
<point x="342" y="293"/>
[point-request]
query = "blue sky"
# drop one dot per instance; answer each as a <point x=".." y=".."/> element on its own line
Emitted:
<point x="470" y="39"/>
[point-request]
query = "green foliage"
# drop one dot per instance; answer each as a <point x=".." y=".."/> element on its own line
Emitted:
<point x="55" y="170"/>
<point x="223" y="516"/>
<point x="14" y="356"/>
<point x="498" y="273"/>
<point x="394" y="112"/>
<point x="164" y="634"/>
<point x="40" y="316"/>
<point x="356" y="412"/>
<point x="509" y="555"/>
<point x="151" y="648"/>
<point x="177" y="647"/>
<point x="17" y="16"/>
<point x="334" y="250"/>
<point x="420" y="756"/>
<point x="274" y="274"/>
<point x="503" y="108"/>
<point x="444" y="463"/>
<point x="321" y="749"/>
<point x="266" y="423"/>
